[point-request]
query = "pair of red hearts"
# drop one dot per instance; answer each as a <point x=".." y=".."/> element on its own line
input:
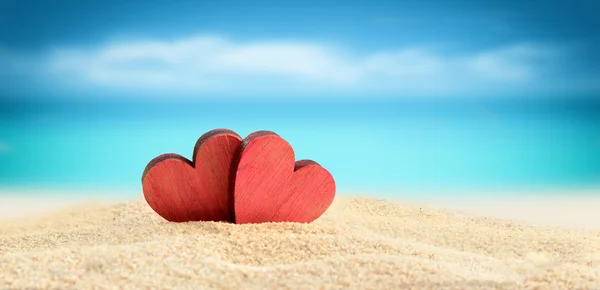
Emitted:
<point x="253" y="180"/>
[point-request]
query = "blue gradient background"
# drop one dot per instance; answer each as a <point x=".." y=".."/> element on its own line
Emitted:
<point x="89" y="136"/>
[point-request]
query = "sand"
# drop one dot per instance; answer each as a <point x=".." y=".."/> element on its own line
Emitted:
<point x="359" y="243"/>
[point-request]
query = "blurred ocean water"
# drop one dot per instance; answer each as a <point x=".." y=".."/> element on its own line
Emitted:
<point x="399" y="146"/>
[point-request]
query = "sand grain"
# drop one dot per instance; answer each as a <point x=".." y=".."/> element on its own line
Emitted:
<point x="359" y="244"/>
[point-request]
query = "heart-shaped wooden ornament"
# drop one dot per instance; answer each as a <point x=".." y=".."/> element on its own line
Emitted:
<point x="181" y="190"/>
<point x="271" y="187"/>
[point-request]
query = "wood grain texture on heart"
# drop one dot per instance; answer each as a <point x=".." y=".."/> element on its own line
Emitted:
<point x="181" y="190"/>
<point x="271" y="187"/>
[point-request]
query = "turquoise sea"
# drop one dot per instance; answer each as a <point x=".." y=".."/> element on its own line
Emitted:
<point x="384" y="146"/>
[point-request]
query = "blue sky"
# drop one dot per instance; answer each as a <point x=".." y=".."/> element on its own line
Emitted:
<point x="61" y="54"/>
<point x="300" y="49"/>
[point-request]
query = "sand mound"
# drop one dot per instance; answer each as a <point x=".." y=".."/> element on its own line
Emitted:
<point x="359" y="243"/>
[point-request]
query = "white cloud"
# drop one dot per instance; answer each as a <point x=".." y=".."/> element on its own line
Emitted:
<point x="215" y="64"/>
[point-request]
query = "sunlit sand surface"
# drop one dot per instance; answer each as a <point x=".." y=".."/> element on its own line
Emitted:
<point x="359" y="243"/>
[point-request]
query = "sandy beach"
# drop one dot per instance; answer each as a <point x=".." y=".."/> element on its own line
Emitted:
<point x="360" y="243"/>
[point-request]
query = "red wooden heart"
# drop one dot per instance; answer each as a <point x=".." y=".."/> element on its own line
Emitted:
<point x="181" y="190"/>
<point x="271" y="187"/>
